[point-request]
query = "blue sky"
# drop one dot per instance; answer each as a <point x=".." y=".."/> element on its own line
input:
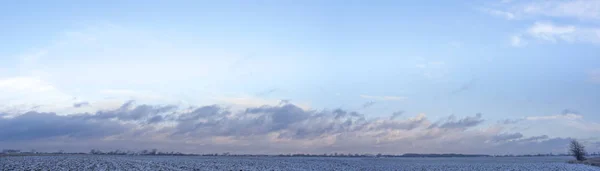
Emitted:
<point x="535" y="62"/>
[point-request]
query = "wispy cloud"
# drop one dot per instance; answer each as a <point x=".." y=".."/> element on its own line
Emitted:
<point x="554" y="33"/>
<point x="396" y="115"/>
<point x="579" y="9"/>
<point x="575" y="9"/>
<point x="452" y="123"/>
<point x="80" y="104"/>
<point x="507" y="137"/>
<point x="266" y="92"/>
<point x="546" y="14"/>
<point x="510" y="121"/>
<point x="569" y="116"/>
<point x="368" y="104"/>
<point x="466" y="86"/>
<point x="517" y="41"/>
<point x="550" y="32"/>
<point x="383" y="98"/>
<point x="499" y="13"/>
<point x="432" y="69"/>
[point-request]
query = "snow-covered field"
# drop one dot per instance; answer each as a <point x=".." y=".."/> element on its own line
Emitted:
<point x="97" y="162"/>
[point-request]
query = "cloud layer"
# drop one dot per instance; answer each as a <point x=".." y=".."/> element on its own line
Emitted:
<point x="282" y="128"/>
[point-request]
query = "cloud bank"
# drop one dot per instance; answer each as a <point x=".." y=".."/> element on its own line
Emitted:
<point x="268" y="129"/>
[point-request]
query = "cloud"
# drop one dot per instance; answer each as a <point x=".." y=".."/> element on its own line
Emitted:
<point x="578" y="9"/>
<point x="517" y="41"/>
<point x="568" y="116"/>
<point x="432" y="69"/>
<point x="510" y="121"/>
<point x="368" y="104"/>
<point x="141" y="113"/>
<point x="269" y="129"/>
<point x="549" y="32"/>
<point x="32" y="91"/>
<point x="585" y="30"/>
<point x="466" y="86"/>
<point x="499" y="13"/>
<point x="569" y="111"/>
<point x="35" y="126"/>
<point x="396" y="115"/>
<point x="536" y="138"/>
<point x="383" y="98"/>
<point x="80" y="104"/>
<point x="544" y="31"/>
<point x="572" y="9"/>
<point x="452" y="123"/>
<point x="507" y="137"/>
<point x="267" y="92"/>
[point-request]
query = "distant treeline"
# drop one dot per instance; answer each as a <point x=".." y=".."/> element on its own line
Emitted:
<point x="158" y="153"/>
<point x="155" y="152"/>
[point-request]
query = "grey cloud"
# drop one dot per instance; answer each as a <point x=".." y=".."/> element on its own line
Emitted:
<point x="36" y="107"/>
<point x="289" y="121"/>
<point x="284" y="101"/>
<point x="465" y="87"/>
<point x="452" y="123"/>
<point x="368" y="104"/>
<point x="277" y="129"/>
<point x="143" y="113"/>
<point x="33" y="125"/>
<point x="507" y="137"/>
<point x="156" y="119"/>
<point x="510" y="121"/>
<point x="266" y="92"/>
<point x="396" y="115"/>
<point x="80" y="104"/>
<point x="569" y="111"/>
<point x="536" y="138"/>
<point x="405" y="125"/>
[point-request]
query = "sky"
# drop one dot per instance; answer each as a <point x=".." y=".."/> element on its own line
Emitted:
<point x="269" y="77"/>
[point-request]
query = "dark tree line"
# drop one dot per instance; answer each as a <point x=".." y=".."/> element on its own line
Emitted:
<point x="143" y="152"/>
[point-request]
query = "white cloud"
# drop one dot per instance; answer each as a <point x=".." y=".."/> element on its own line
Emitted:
<point x="499" y="13"/>
<point x="584" y="30"/>
<point x="245" y="101"/>
<point x="432" y="69"/>
<point x="384" y="98"/>
<point x="516" y="41"/>
<point x="25" y="84"/>
<point x="550" y="32"/>
<point x="131" y="94"/>
<point x="567" y="116"/>
<point x="31" y="92"/>
<point x="579" y="9"/>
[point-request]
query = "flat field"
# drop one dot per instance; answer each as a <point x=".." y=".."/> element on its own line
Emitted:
<point x="106" y="162"/>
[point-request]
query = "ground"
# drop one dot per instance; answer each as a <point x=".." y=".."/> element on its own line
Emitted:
<point x="591" y="161"/>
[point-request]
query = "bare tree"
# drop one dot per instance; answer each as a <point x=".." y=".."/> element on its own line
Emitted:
<point x="577" y="150"/>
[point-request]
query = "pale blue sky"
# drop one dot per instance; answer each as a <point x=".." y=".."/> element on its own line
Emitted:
<point x="504" y="59"/>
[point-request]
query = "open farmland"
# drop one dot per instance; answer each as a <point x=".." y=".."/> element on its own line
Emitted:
<point x="105" y="162"/>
